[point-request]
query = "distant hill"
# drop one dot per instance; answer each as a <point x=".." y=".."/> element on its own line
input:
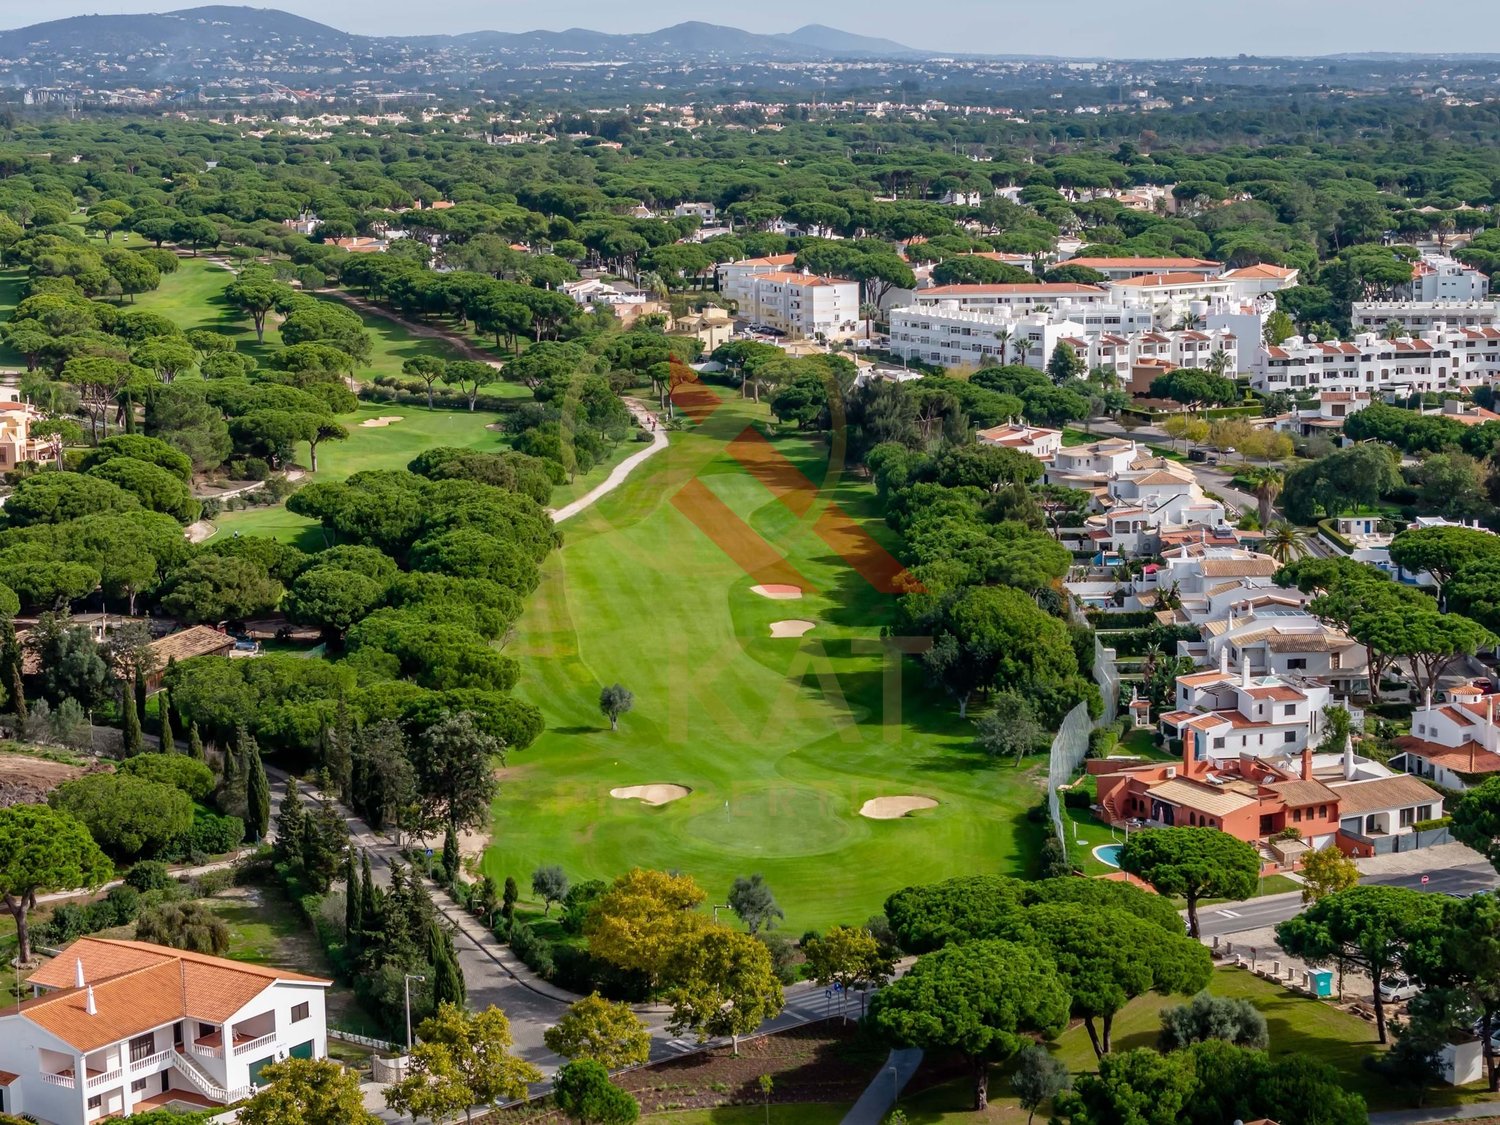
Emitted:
<point x="210" y="29"/>
<point x="227" y="30"/>
<point x="836" y="42"/>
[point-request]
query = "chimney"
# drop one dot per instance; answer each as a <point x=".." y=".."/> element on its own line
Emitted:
<point x="1348" y="757"/>
<point x="1244" y="669"/>
<point x="1188" y="755"/>
<point x="78" y="981"/>
<point x="1307" y="774"/>
<point x="88" y="1002"/>
<point x="1224" y="661"/>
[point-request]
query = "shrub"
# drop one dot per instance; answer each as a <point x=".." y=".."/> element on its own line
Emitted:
<point x="578" y="902"/>
<point x="534" y="950"/>
<point x="1432" y="825"/>
<point x="149" y="875"/>
<point x="193" y="777"/>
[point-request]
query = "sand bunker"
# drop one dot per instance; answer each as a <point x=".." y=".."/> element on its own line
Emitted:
<point x="651" y="794"/>
<point x="383" y="420"/>
<point x="777" y="592"/>
<point x="790" y="628"/>
<point x="893" y="808"/>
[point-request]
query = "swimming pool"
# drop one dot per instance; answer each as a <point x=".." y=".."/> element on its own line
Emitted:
<point x="1108" y="854"/>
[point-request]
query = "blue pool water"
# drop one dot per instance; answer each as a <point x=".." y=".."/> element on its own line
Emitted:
<point x="1108" y="853"/>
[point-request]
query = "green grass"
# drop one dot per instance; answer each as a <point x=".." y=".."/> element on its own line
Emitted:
<point x="261" y="929"/>
<point x="1299" y="1025"/>
<point x="780" y="741"/>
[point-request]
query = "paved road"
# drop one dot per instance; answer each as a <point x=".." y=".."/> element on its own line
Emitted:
<point x="1257" y="913"/>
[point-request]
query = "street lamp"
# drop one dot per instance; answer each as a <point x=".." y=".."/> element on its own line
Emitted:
<point x="895" y="1085"/>
<point x="406" y="988"/>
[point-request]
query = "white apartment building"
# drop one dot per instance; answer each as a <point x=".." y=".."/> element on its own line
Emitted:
<point x="119" y="1027"/>
<point x="1021" y="297"/>
<point x="1437" y="277"/>
<point x="1173" y="296"/>
<point x="1241" y="713"/>
<point x="1281" y="639"/>
<point x="1455" y="743"/>
<point x="1433" y="361"/>
<point x="1422" y="316"/>
<point x="804" y="305"/>
<point x="1121" y="269"/>
<point x="945" y="333"/>
<point x="1036" y="441"/>
<point x="1091" y="466"/>
<point x="704" y="211"/>
<point x="1154" y="351"/>
<point x="1260" y="279"/>
<point x="734" y="277"/>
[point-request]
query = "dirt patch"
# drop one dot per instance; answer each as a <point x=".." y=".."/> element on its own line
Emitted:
<point x="894" y="808"/>
<point x="793" y="628"/>
<point x="25" y="780"/>
<point x="657" y="794"/>
<point x="383" y="420"/>
<point x="777" y="592"/>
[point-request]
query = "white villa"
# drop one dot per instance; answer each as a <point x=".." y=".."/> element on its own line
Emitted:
<point x="119" y="1027"/>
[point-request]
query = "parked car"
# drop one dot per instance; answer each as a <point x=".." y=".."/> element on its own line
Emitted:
<point x="1397" y="988"/>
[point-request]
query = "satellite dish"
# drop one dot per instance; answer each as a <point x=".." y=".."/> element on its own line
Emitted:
<point x="1311" y="339"/>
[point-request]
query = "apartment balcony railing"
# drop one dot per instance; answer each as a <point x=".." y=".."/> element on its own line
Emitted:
<point x="97" y="1080"/>
<point x="151" y="1062"/>
<point x="63" y="1080"/>
<point x="255" y="1044"/>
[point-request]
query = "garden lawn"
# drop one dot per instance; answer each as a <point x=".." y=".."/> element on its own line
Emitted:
<point x="1299" y="1025"/>
<point x="781" y="741"/>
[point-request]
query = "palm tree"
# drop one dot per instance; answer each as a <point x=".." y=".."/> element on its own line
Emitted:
<point x="1285" y="542"/>
<point x="1394" y="330"/>
<point x="1267" y="484"/>
<point x="1218" y="363"/>
<point x="1002" y="337"/>
<point x="653" y="283"/>
<point x="867" y="313"/>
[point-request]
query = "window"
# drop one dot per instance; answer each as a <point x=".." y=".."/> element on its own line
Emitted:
<point x="299" y="1012"/>
<point x="141" y="1046"/>
<point x="1296" y="663"/>
<point x="1218" y="744"/>
<point x="138" y="1086"/>
<point x="1408" y="817"/>
<point x="1290" y="736"/>
<point x="96" y="1102"/>
<point x="1289" y="709"/>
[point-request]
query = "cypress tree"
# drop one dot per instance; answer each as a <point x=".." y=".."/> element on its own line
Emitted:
<point x="354" y="923"/>
<point x="135" y="742"/>
<point x="511" y="896"/>
<point x="369" y="905"/>
<point x="257" y="792"/>
<point x="447" y="981"/>
<point x="289" y="817"/>
<point x="450" y="854"/>
<point x="168" y="742"/>
<point x="195" y="743"/>
<point x="140" y="693"/>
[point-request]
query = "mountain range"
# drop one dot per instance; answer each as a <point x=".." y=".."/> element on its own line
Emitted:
<point x="222" y="29"/>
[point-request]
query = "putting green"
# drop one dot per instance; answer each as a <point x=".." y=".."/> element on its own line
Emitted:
<point x="795" y="734"/>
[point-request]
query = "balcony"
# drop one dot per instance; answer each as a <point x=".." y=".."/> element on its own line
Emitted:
<point x="62" y="1078"/>
<point x="254" y="1044"/>
<point x="151" y="1062"/>
<point x="97" y="1080"/>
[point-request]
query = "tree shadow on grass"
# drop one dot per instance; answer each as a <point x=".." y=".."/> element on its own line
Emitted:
<point x="579" y="729"/>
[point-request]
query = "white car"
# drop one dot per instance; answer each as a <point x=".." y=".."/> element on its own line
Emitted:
<point x="1397" y="988"/>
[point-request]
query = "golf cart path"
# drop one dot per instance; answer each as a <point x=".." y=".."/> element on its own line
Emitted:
<point x="644" y="418"/>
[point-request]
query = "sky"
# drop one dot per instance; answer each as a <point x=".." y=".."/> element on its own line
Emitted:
<point x="1108" y="28"/>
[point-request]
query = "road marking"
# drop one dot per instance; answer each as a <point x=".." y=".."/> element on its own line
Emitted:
<point x="1226" y="914"/>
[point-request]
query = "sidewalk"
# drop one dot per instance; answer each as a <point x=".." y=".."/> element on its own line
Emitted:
<point x="1436" y="1113"/>
<point x="885" y="1088"/>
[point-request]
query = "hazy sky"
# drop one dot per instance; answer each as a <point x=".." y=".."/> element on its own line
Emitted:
<point x="1149" y="28"/>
